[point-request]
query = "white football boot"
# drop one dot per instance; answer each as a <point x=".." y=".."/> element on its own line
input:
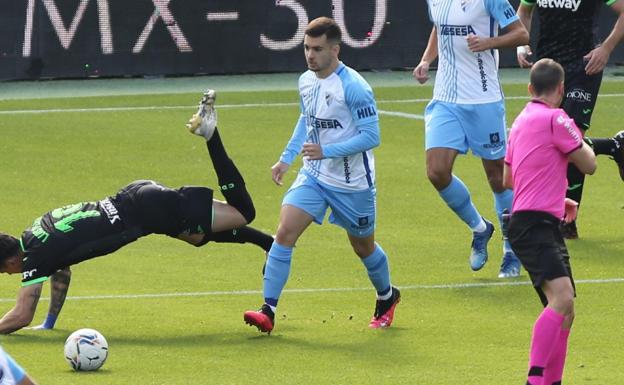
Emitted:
<point x="203" y="122"/>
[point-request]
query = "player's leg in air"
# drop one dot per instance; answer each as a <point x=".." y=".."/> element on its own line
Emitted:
<point x="613" y="147"/>
<point x="618" y="153"/>
<point x="231" y="217"/>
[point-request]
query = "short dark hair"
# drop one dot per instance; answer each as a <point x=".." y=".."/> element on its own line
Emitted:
<point x="324" y="26"/>
<point x="8" y="246"/>
<point x="546" y="75"/>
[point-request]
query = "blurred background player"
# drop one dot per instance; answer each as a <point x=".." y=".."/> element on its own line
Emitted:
<point x="569" y="35"/>
<point x="11" y="373"/>
<point x="542" y="141"/>
<point x="74" y="233"/>
<point x="337" y="130"/>
<point x="468" y="111"/>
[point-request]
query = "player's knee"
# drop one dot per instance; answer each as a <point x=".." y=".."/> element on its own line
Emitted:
<point x="438" y="178"/>
<point x="563" y="303"/>
<point x="363" y="250"/>
<point x="200" y="241"/>
<point x="285" y="236"/>
<point x="248" y="211"/>
<point x="496" y="182"/>
<point x="569" y="319"/>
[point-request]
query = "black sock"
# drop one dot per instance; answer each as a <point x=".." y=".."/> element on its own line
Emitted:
<point x="576" y="180"/>
<point x="244" y="234"/>
<point x="231" y="182"/>
<point x="603" y="146"/>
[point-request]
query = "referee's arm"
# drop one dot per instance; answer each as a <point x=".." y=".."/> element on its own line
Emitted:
<point x="507" y="177"/>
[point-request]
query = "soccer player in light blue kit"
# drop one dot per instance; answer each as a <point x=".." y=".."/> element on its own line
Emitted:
<point x="467" y="110"/>
<point x="11" y="373"/>
<point x="336" y="132"/>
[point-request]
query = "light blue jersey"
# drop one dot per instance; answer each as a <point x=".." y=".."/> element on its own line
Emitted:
<point x="464" y="76"/>
<point x="10" y="372"/>
<point x="339" y="113"/>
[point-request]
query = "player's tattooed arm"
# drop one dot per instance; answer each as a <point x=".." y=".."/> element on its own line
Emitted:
<point x="60" y="285"/>
<point x="24" y="310"/>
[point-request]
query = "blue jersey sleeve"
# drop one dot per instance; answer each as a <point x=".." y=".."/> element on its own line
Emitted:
<point x="296" y="142"/>
<point x="16" y="370"/>
<point x="502" y="11"/>
<point x="367" y="138"/>
<point x="361" y="102"/>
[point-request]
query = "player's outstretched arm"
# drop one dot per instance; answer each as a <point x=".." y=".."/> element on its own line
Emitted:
<point x="598" y="58"/>
<point x="59" y="286"/>
<point x="24" y="310"/>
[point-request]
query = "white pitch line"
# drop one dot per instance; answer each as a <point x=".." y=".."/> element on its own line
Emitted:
<point x="142" y="108"/>
<point x="426" y="100"/>
<point x="452" y="286"/>
<point x="402" y="114"/>
<point x="242" y="105"/>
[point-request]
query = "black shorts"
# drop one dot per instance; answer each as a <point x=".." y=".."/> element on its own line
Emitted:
<point x="161" y="210"/>
<point x="535" y="238"/>
<point x="581" y="92"/>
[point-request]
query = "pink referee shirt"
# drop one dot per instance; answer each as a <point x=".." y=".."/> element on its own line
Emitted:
<point x="539" y="143"/>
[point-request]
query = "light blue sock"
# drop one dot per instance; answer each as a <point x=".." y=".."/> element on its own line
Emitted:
<point x="457" y="197"/>
<point x="378" y="270"/>
<point x="502" y="201"/>
<point x="276" y="272"/>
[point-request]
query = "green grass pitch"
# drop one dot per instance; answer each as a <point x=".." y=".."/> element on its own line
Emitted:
<point x="172" y="313"/>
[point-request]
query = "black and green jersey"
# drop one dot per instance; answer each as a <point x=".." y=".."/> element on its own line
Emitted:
<point x="568" y="28"/>
<point x="74" y="233"/>
<point x="69" y="235"/>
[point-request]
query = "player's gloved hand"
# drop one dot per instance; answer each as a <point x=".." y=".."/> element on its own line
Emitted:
<point x="522" y="52"/>
<point x="571" y="209"/>
<point x="421" y="72"/>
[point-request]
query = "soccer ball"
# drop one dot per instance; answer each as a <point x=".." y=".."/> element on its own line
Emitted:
<point x="86" y="349"/>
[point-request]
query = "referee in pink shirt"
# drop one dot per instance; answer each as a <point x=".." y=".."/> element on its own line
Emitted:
<point x="543" y="139"/>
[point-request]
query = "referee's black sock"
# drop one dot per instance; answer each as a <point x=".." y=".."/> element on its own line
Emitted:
<point x="576" y="181"/>
<point x="244" y="234"/>
<point x="603" y="146"/>
<point x="231" y="182"/>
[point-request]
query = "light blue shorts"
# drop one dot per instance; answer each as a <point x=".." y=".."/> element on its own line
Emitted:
<point x="353" y="211"/>
<point x="478" y="127"/>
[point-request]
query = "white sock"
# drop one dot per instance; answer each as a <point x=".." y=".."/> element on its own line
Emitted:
<point x="480" y="227"/>
<point x="385" y="296"/>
